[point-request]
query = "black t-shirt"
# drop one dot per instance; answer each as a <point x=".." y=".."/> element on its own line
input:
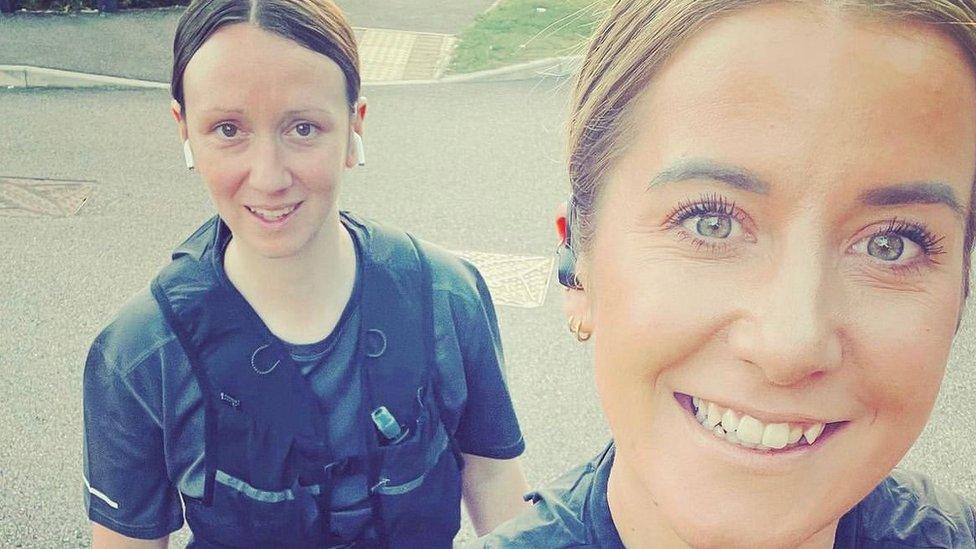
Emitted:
<point x="144" y="443"/>
<point x="904" y="511"/>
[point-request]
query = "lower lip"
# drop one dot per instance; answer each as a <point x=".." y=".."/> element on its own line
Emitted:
<point x="275" y="223"/>
<point x="766" y="460"/>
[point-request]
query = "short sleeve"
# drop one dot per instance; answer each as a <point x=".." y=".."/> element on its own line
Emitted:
<point x="488" y="426"/>
<point x="127" y="489"/>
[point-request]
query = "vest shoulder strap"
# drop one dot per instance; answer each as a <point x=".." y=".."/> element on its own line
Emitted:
<point x="397" y="321"/>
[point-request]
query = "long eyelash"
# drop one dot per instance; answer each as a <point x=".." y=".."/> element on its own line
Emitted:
<point x="916" y="232"/>
<point x="707" y="204"/>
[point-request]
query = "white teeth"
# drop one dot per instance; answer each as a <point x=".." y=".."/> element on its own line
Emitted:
<point x="730" y="420"/>
<point x="776" y="435"/>
<point x="813" y="432"/>
<point x="750" y="429"/>
<point x="714" y="416"/>
<point x="749" y="432"/>
<point x="271" y="215"/>
<point x="796" y="433"/>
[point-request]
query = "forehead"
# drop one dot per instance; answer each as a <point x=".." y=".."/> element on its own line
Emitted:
<point x="242" y="66"/>
<point x="824" y="95"/>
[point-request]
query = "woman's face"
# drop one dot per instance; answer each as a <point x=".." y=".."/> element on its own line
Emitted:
<point x="269" y="125"/>
<point x="782" y="237"/>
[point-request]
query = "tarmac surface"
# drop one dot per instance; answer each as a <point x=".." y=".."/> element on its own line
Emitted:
<point x="139" y="44"/>
<point x="471" y="166"/>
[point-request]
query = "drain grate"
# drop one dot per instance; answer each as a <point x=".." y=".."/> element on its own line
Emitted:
<point x="516" y="281"/>
<point x="28" y="197"/>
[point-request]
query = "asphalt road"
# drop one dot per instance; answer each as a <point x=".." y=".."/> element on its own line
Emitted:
<point x="139" y="43"/>
<point x="472" y="166"/>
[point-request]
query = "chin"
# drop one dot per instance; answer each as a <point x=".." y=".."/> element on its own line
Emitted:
<point x="741" y="532"/>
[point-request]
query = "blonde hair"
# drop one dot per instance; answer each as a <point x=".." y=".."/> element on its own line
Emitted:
<point x="637" y="38"/>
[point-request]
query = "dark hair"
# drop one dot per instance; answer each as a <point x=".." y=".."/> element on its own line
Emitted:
<point x="318" y="25"/>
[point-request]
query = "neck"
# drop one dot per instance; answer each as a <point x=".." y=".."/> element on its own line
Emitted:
<point x="300" y="297"/>
<point x="641" y="524"/>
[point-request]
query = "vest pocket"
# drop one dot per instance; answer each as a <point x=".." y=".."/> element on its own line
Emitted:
<point x="405" y="465"/>
<point x="260" y="497"/>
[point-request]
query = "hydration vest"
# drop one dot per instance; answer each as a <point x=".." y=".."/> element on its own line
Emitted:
<point x="269" y="468"/>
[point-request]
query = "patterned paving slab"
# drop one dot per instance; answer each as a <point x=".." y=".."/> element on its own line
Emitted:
<point x="516" y="281"/>
<point x="20" y="197"/>
<point x="390" y="55"/>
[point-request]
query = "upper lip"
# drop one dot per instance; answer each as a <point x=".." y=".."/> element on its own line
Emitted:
<point x="771" y="417"/>
<point x="279" y="207"/>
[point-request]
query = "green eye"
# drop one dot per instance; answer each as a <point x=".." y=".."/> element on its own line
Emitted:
<point x="714" y="226"/>
<point x="887" y="247"/>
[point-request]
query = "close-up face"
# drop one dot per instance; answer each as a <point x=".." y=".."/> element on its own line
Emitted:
<point x="782" y="238"/>
<point x="269" y="126"/>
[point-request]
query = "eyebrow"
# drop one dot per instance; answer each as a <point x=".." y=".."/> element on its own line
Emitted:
<point x="918" y="192"/>
<point x="734" y="176"/>
<point x="287" y="113"/>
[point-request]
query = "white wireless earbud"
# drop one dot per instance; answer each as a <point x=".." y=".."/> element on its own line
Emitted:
<point x="188" y="154"/>
<point x="357" y="143"/>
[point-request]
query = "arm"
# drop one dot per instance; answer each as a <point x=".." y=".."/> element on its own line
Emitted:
<point x="492" y="491"/>
<point x="103" y="538"/>
<point x="126" y="487"/>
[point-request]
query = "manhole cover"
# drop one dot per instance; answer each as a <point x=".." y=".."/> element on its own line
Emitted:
<point x="516" y="281"/>
<point x="25" y="197"/>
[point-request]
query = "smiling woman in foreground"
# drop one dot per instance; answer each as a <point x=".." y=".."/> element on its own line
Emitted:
<point x="771" y="228"/>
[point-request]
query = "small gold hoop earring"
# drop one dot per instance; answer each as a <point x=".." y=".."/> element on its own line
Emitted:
<point x="574" y="328"/>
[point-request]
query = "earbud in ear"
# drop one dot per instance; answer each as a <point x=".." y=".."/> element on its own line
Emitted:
<point x="357" y="143"/>
<point x="566" y="267"/>
<point x="188" y="154"/>
<point x="565" y="256"/>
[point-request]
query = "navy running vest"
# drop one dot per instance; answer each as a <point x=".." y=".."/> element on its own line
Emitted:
<point x="269" y="470"/>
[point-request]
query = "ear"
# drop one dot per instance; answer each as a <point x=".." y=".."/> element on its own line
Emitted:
<point x="177" y="111"/>
<point x="577" y="309"/>
<point x="561" y="230"/>
<point x="576" y="305"/>
<point x="357" y="124"/>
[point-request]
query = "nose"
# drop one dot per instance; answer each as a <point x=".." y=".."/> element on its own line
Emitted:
<point x="791" y="326"/>
<point x="267" y="167"/>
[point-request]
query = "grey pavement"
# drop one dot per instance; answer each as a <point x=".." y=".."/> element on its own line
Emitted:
<point x="472" y="166"/>
<point x="138" y="43"/>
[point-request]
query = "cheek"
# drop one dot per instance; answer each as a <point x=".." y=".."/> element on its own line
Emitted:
<point x="903" y="343"/>
<point x="320" y="167"/>
<point x="222" y="176"/>
<point x="651" y="307"/>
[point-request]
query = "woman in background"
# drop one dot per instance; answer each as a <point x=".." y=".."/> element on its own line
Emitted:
<point x="298" y="376"/>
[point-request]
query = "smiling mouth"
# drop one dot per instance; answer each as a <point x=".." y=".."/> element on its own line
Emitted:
<point x="745" y="431"/>
<point x="273" y="215"/>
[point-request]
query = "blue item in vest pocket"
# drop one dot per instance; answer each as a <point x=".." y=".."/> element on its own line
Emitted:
<point x="388" y="426"/>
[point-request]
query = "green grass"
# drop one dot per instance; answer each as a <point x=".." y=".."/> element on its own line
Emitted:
<point x="515" y="31"/>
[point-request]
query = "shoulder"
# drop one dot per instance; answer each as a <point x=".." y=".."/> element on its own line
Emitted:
<point x="563" y="513"/>
<point x="453" y="274"/>
<point x="908" y="508"/>
<point x="137" y="332"/>
<point x="393" y="247"/>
